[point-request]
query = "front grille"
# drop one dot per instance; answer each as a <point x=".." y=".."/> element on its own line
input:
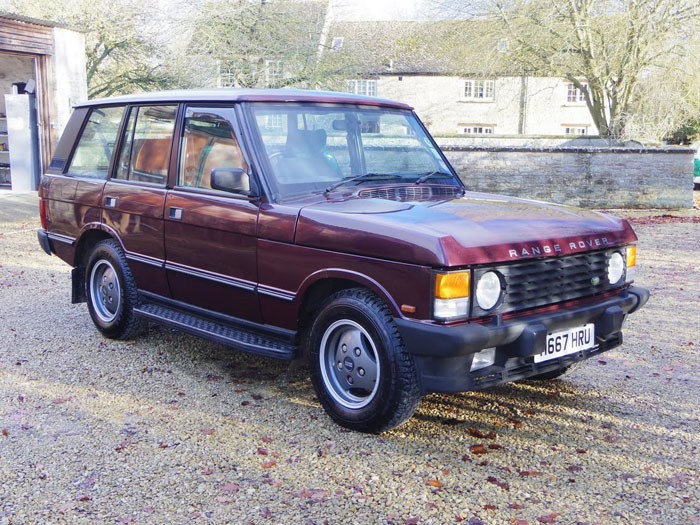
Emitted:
<point x="412" y="193"/>
<point x="549" y="281"/>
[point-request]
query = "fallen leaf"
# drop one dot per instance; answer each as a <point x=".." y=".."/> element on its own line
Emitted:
<point x="229" y="487"/>
<point x="489" y="507"/>
<point x="206" y="431"/>
<point x="213" y="377"/>
<point x="208" y="471"/>
<point x="549" y="518"/>
<point x="581" y="450"/>
<point x="478" y="449"/>
<point x="411" y="521"/>
<point x="269" y="464"/>
<point x="5" y="432"/>
<point x="223" y="499"/>
<point x="473" y="432"/>
<point x="574" y="468"/>
<point x="126" y="519"/>
<point x="61" y="400"/>
<point x="522" y="522"/>
<point x="501" y="484"/>
<point x="529" y="412"/>
<point x="434" y="483"/>
<point x="494" y="446"/>
<point x="266" y="513"/>
<point x="266" y="439"/>
<point x="83" y="498"/>
<point x="516" y="423"/>
<point x="516" y="506"/>
<point x="262" y="451"/>
<point x="245" y="403"/>
<point x="256" y="397"/>
<point x="122" y="446"/>
<point x="529" y="473"/>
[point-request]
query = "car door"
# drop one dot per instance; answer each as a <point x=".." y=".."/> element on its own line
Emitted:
<point x="210" y="233"/>
<point x="134" y="197"/>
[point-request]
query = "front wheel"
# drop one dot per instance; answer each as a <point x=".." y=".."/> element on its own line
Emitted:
<point x="362" y="374"/>
<point x="111" y="291"/>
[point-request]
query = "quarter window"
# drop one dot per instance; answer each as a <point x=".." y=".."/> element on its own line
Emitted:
<point x="94" y="151"/>
<point x="208" y="143"/>
<point x="145" y="154"/>
<point x="479" y="90"/>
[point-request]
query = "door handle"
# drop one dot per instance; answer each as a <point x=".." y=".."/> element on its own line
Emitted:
<point x="110" y="202"/>
<point x="175" y="213"/>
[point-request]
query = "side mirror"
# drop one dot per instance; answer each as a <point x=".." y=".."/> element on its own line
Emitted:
<point x="230" y="179"/>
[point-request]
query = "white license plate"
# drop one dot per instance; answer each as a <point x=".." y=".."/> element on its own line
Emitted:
<point x="567" y="342"/>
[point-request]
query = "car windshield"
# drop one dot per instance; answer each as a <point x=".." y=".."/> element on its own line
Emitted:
<point x="316" y="148"/>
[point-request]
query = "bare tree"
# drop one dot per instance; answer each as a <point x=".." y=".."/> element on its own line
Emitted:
<point x="604" y="47"/>
<point x="259" y="43"/>
<point x="121" y="47"/>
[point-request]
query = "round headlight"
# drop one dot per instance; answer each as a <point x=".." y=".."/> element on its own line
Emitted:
<point x="488" y="290"/>
<point x="616" y="267"/>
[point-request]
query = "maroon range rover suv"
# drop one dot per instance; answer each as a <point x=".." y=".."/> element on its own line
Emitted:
<point x="289" y="223"/>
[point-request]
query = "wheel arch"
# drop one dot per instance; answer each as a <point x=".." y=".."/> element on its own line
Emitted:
<point x="320" y="285"/>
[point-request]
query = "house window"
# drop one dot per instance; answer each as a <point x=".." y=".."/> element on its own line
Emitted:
<point x="575" y="130"/>
<point x="477" y="129"/>
<point x="362" y="87"/>
<point x="574" y="95"/>
<point x="478" y="90"/>
<point x="274" y="121"/>
<point x="227" y="77"/>
<point x="274" y="72"/>
<point x="337" y="42"/>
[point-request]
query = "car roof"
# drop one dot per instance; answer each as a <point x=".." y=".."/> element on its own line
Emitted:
<point x="245" y="95"/>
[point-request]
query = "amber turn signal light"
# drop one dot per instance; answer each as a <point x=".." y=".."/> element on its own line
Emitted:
<point x="631" y="255"/>
<point x="452" y="285"/>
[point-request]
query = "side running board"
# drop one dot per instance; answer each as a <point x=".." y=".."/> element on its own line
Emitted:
<point x="217" y="331"/>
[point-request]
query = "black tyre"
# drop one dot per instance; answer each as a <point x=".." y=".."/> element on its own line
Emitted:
<point x="362" y="374"/>
<point x="111" y="291"/>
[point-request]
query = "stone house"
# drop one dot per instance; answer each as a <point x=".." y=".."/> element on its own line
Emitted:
<point x="433" y="67"/>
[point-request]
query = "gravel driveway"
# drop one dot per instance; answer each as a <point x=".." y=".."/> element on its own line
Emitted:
<point x="171" y="429"/>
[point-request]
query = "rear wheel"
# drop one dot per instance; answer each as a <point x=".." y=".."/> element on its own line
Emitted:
<point x="362" y="374"/>
<point x="111" y="291"/>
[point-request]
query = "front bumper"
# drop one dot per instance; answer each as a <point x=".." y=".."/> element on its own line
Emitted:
<point x="444" y="354"/>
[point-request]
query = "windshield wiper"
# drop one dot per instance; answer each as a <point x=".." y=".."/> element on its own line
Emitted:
<point x="364" y="176"/>
<point x="431" y="174"/>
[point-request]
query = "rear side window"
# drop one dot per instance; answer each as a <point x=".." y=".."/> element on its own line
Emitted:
<point x="145" y="153"/>
<point x="96" y="145"/>
<point x="208" y="143"/>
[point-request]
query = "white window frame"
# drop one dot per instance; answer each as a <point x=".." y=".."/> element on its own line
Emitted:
<point x="274" y="121"/>
<point x="476" y="129"/>
<point x="479" y="90"/>
<point x="363" y="86"/>
<point x="574" y="95"/>
<point x="274" y="71"/>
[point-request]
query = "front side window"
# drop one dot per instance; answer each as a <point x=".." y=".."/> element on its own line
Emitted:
<point x="145" y="151"/>
<point x="310" y="147"/>
<point x="208" y="143"/>
<point x="479" y="90"/>
<point x="93" y="154"/>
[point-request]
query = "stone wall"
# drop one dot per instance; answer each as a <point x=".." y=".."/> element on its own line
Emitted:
<point x="590" y="177"/>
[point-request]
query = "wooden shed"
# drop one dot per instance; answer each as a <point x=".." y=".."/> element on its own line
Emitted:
<point x="46" y="61"/>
